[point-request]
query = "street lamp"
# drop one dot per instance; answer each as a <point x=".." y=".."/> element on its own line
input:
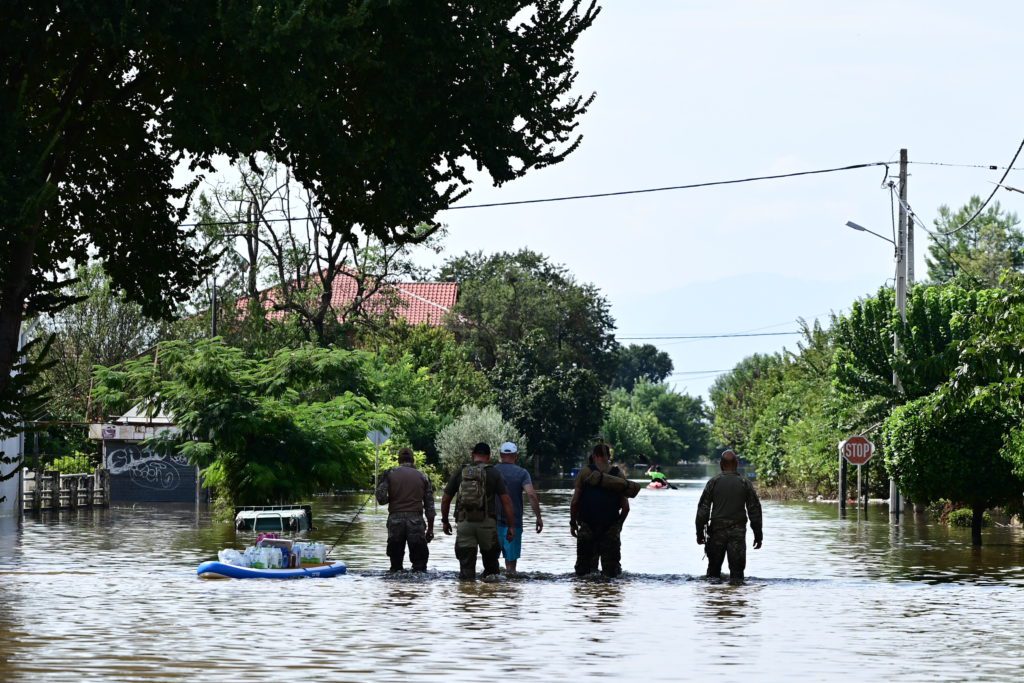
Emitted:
<point x="861" y="228"/>
<point x="901" y="303"/>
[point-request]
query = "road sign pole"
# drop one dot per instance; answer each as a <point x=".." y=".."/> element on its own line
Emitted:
<point x="856" y="450"/>
<point x="842" y="485"/>
<point x="376" y="470"/>
<point x="860" y="490"/>
<point x="377" y="438"/>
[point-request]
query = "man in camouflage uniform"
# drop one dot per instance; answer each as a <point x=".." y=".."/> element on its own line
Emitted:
<point x="409" y="496"/>
<point x="477" y="527"/>
<point x="726" y="502"/>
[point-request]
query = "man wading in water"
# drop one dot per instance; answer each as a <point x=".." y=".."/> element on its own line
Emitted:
<point x="599" y="507"/>
<point x="517" y="480"/>
<point x="477" y="486"/>
<point x="409" y="496"/>
<point x="722" y="504"/>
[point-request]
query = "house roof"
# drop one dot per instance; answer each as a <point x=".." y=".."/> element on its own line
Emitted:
<point x="416" y="302"/>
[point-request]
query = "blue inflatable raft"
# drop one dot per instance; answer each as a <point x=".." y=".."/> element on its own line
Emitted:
<point x="220" y="570"/>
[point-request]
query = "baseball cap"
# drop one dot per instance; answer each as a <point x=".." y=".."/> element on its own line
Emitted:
<point x="508" y="448"/>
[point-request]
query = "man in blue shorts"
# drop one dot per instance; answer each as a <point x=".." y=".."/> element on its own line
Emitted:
<point x="517" y="480"/>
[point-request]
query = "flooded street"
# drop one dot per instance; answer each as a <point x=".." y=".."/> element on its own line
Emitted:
<point x="112" y="594"/>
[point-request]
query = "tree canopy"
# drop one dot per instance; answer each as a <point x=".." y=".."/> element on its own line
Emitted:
<point x="991" y="244"/>
<point x="505" y="297"/>
<point x="271" y="429"/>
<point x="378" y="108"/>
<point x="937" y="449"/>
<point x="640" y="361"/>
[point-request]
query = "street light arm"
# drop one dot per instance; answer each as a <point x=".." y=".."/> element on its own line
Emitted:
<point x="1007" y="187"/>
<point x="861" y="228"/>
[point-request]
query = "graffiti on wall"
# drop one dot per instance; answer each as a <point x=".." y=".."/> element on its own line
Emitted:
<point x="147" y="468"/>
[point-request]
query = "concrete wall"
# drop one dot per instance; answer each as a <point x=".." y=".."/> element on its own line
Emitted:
<point x="10" y="489"/>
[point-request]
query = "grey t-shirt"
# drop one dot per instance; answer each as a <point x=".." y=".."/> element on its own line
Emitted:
<point x="516" y="479"/>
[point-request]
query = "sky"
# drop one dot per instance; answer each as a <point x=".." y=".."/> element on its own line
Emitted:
<point x="691" y="92"/>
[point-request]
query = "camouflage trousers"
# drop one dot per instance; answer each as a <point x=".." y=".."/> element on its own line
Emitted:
<point x="593" y="545"/>
<point x="472" y="535"/>
<point x="407" y="528"/>
<point x="731" y="541"/>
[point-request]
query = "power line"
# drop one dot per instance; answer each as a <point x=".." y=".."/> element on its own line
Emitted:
<point x="993" y="194"/>
<point x="691" y="186"/>
<point x="696" y="372"/>
<point x="752" y="329"/>
<point x="935" y="235"/>
<point x="712" y="336"/>
<point x="617" y="193"/>
<point x="989" y="167"/>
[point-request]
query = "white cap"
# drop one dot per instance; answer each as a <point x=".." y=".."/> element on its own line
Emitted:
<point x="508" y="448"/>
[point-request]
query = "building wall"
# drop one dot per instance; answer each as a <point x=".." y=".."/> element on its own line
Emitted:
<point x="11" y="488"/>
<point x="140" y="475"/>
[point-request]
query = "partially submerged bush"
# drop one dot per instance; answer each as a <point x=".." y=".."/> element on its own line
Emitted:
<point x="964" y="516"/>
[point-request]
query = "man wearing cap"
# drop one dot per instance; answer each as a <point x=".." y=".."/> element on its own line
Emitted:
<point x="477" y="488"/>
<point x="409" y="496"/>
<point x="728" y="499"/>
<point x="517" y="480"/>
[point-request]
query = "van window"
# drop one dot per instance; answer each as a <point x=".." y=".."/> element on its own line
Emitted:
<point x="269" y="524"/>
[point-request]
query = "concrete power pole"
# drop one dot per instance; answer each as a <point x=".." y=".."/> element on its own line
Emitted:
<point x="901" y="303"/>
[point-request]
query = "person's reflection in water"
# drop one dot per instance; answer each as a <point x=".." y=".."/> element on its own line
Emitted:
<point x="602" y="598"/>
<point x="726" y="604"/>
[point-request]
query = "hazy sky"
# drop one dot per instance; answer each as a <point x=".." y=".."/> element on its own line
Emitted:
<point x="697" y="91"/>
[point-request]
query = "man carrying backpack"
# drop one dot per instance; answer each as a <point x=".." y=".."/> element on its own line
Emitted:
<point x="474" y="488"/>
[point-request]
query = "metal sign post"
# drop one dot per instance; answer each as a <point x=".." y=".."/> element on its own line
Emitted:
<point x="856" y="450"/>
<point x="377" y="438"/>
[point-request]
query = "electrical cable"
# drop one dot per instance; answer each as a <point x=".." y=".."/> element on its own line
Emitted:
<point x="989" y="167"/>
<point x="618" y="193"/>
<point x="696" y="372"/>
<point x="713" y="336"/>
<point x="991" y="195"/>
<point x="936" y="237"/>
<point x="691" y="186"/>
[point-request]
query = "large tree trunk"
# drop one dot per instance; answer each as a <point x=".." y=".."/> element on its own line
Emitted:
<point x="12" y="304"/>
<point x="976" y="521"/>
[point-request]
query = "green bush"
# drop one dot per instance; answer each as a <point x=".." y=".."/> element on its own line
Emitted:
<point x="455" y="441"/>
<point x="964" y="516"/>
<point x="76" y="463"/>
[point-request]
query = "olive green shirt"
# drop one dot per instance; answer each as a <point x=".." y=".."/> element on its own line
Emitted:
<point x="728" y="499"/>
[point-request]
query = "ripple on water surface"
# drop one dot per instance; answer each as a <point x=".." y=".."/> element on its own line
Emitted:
<point x="112" y="594"/>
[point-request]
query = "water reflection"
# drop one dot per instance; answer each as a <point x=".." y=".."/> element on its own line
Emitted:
<point x="601" y="599"/>
<point x="725" y="603"/>
<point x="112" y="594"/>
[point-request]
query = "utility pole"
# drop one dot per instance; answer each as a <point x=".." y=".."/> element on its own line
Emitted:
<point x="901" y="304"/>
<point x="910" y="220"/>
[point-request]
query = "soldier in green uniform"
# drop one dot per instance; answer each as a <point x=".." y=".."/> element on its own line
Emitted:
<point x="409" y="496"/>
<point x="728" y="499"/>
<point x="474" y="489"/>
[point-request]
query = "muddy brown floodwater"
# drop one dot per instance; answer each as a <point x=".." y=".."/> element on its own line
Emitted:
<point x="112" y="595"/>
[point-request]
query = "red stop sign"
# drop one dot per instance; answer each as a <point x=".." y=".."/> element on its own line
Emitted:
<point x="857" y="450"/>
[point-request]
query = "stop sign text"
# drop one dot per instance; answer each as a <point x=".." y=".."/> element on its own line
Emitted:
<point x="857" y="450"/>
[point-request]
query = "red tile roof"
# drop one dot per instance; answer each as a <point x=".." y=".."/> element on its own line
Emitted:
<point x="417" y="302"/>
